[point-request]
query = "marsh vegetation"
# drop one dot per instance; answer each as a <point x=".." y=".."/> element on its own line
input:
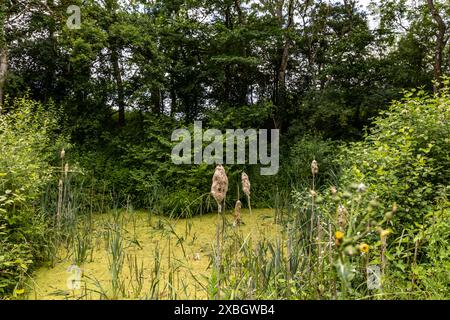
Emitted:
<point x="93" y="207"/>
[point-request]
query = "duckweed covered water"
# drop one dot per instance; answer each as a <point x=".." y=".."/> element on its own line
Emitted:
<point x="160" y="257"/>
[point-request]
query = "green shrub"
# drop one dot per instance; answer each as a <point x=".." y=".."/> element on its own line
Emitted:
<point x="135" y="165"/>
<point x="296" y="169"/>
<point x="28" y="143"/>
<point x="403" y="160"/>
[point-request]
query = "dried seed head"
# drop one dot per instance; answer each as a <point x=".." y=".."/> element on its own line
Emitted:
<point x="245" y="184"/>
<point x="219" y="185"/>
<point x="237" y="212"/>
<point x="314" y="167"/>
<point x="342" y="216"/>
<point x="333" y="190"/>
<point x="350" y="250"/>
<point x="361" y="187"/>
<point x="63" y="153"/>
<point x="66" y="169"/>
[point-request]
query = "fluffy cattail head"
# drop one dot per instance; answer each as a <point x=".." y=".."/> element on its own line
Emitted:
<point x="237" y="213"/>
<point x="63" y="153"/>
<point x="66" y="169"/>
<point x="219" y="185"/>
<point x="245" y="184"/>
<point x="314" y="167"/>
<point x="237" y="210"/>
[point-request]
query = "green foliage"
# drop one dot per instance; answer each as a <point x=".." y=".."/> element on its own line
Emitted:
<point x="163" y="64"/>
<point x="296" y="170"/>
<point x="404" y="163"/>
<point x="404" y="158"/>
<point x="27" y="144"/>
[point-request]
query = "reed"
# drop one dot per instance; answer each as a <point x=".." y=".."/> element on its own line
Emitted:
<point x="116" y="260"/>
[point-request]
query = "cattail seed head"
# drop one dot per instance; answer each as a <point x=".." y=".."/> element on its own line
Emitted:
<point x="237" y="213"/>
<point x="219" y="185"/>
<point x="314" y="167"/>
<point x="245" y="184"/>
<point x="66" y="169"/>
<point x="333" y="190"/>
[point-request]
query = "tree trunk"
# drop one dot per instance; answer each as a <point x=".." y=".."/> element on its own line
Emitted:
<point x="118" y="78"/>
<point x="156" y="101"/>
<point x="3" y="54"/>
<point x="3" y="73"/>
<point x="440" y="45"/>
<point x="285" y="54"/>
<point x="241" y="18"/>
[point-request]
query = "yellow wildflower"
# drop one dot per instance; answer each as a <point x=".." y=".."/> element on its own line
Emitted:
<point x="384" y="233"/>
<point x="364" y="247"/>
<point x="19" y="291"/>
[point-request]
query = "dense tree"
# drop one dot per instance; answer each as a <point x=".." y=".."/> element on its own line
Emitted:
<point x="441" y="40"/>
<point x="321" y="66"/>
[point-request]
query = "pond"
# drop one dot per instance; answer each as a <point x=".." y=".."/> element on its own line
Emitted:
<point x="134" y="255"/>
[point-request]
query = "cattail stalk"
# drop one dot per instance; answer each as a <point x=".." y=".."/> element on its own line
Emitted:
<point x="314" y="171"/>
<point x="416" y="248"/>
<point x="330" y="245"/>
<point x="383" y="237"/>
<point x="219" y="190"/>
<point x="60" y="189"/>
<point x="59" y="205"/>
<point x="237" y="213"/>
<point x="319" y="239"/>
